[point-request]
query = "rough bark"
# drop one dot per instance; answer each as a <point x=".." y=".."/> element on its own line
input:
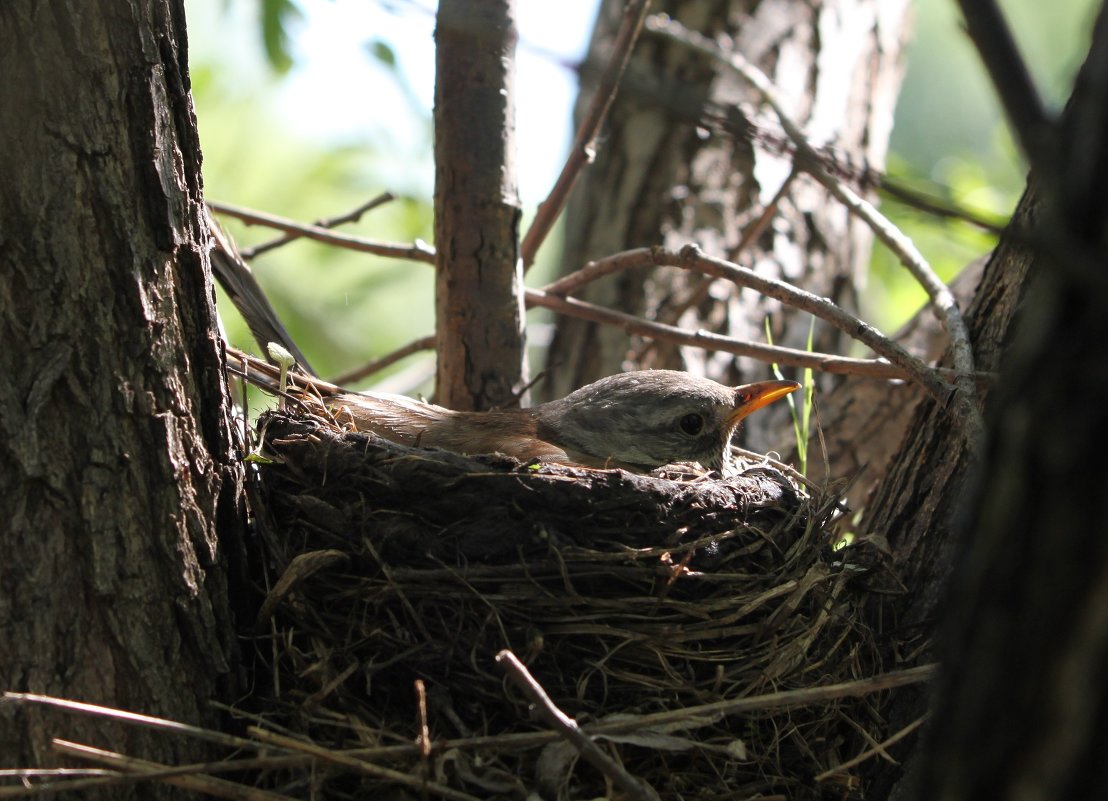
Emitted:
<point x="1026" y="632"/>
<point x="915" y="506"/>
<point x="1021" y="707"/>
<point x="478" y="297"/>
<point x="117" y="476"/>
<point x="676" y="166"/>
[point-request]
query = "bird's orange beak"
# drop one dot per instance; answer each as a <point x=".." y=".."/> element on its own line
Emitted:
<point x="751" y="397"/>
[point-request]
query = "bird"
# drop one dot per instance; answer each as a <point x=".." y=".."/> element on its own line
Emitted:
<point x="637" y="421"/>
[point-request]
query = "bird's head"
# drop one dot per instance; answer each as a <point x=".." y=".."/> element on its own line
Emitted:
<point x="649" y="418"/>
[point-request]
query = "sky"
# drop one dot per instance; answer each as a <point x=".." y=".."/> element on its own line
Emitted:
<point x="334" y="91"/>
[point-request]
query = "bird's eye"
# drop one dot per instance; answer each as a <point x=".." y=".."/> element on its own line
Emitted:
<point x="691" y="424"/>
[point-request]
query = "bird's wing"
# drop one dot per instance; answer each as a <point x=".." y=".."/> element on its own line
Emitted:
<point x="510" y="432"/>
<point x="395" y="417"/>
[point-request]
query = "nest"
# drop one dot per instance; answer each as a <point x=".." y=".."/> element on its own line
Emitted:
<point x="397" y="576"/>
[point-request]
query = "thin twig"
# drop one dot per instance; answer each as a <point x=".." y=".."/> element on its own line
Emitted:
<point x="254" y="369"/>
<point x="692" y="257"/>
<point x="569" y="730"/>
<point x="778" y="700"/>
<point x="424" y="738"/>
<point x="968" y="410"/>
<point x="247" y="295"/>
<point x="687" y="716"/>
<point x="271" y="388"/>
<point x="102" y="777"/>
<point x="389" y="359"/>
<point x="221" y="788"/>
<point x="572" y="307"/>
<point x="322" y="222"/>
<point x="583" y="150"/>
<point x="689" y="258"/>
<point x="218" y="737"/>
<point x="938" y="207"/>
<point x="361" y="766"/>
<point x="418" y="251"/>
<point x="877" y="749"/>
<point x="38" y="773"/>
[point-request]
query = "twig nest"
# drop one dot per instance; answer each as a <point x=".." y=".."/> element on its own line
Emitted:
<point x="623" y="594"/>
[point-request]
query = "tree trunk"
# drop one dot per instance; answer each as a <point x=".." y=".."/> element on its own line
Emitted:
<point x="120" y="488"/>
<point x="1021" y="707"/>
<point x="679" y="165"/>
<point x="478" y="292"/>
<point x="914" y="507"/>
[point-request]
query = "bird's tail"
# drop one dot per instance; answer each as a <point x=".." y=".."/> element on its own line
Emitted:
<point x="238" y="281"/>
<point x="395" y="417"/>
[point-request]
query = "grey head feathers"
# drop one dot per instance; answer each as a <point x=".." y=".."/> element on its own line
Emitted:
<point x="643" y="419"/>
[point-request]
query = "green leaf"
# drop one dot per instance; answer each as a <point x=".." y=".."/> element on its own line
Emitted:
<point x="383" y="52"/>
<point x="277" y="17"/>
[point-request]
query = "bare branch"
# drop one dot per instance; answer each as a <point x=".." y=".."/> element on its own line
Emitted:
<point x="418" y="251"/>
<point x="210" y="785"/>
<point x="939" y="207"/>
<point x="791" y="357"/>
<point x="691" y="258"/>
<point x="342" y="760"/>
<point x="993" y="39"/>
<point x="752" y="232"/>
<point x="389" y="359"/>
<point x="323" y="222"/>
<point x="242" y="287"/>
<point x="898" y="363"/>
<point x="567" y="727"/>
<point x="58" y="780"/>
<point x="121" y="716"/>
<point x="880" y="748"/>
<point x="584" y="144"/>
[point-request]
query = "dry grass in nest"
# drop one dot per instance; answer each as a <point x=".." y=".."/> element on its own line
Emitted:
<point x="624" y="596"/>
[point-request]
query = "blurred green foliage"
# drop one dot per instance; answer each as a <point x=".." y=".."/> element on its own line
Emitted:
<point x="950" y="138"/>
<point x="342" y="307"/>
<point x="892" y="296"/>
<point x="277" y="17"/>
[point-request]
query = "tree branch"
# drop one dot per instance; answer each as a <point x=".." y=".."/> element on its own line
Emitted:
<point x="389" y="359"/>
<point x="691" y="258"/>
<point x="897" y="363"/>
<point x="791" y="357"/>
<point x="583" y="150"/>
<point x="990" y="34"/>
<point x="567" y="727"/>
<point x="418" y="251"/>
<point x="323" y="222"/>
<point x="482" y="355"/>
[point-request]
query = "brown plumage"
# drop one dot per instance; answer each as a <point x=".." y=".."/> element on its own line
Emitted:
<point x="637" y="420"/>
